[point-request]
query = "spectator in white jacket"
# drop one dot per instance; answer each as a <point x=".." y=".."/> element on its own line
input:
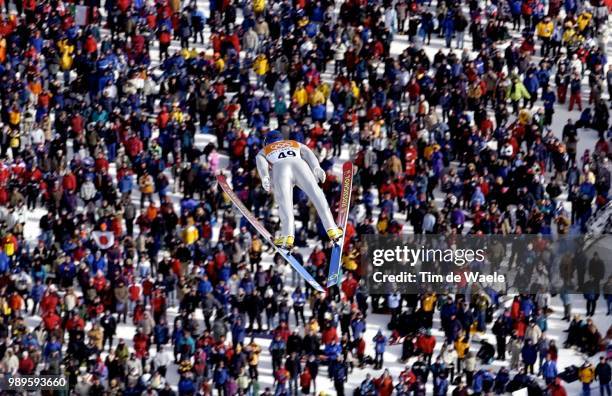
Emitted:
<point x="394" y="303"/>
<point x="10" y="362"/>
<point x="533" y="332"/>
<point x="250" y="41"/>
<point x="391" y="20"/>
<point x="282" y="87"/>
<point x="449" y="357"/>
<point x="88" y="191"/>
<point x="338" y="48"/>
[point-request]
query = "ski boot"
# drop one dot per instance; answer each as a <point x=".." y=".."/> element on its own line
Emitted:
<point x="335" y="234"/>
<point x="284" y="242"/>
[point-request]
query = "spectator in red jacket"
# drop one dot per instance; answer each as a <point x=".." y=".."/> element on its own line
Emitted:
<point x="91" y="46"/>
<point x="349" y="286"/>
<point x="141" y="344"/>
<point x="426" y="344"/>
<point x="75" y="324"/>
<point x="317" y="257"/>
<point x="282" y="330"/>
<point x="51" y="321"/>
<point x="26" y="364"/>
<point x="49" y="301"/>
<point x="329" y="335"/>
<point x="556" y="388"/>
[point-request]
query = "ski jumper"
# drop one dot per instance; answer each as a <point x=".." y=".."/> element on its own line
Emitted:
<point x="293" y="164"/>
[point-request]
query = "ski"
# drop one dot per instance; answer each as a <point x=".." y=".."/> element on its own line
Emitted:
<point x="221" y="179"/>
<point x="334" y="275"/>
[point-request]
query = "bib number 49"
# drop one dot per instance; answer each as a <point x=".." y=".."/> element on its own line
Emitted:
<point x="284" y="154"/>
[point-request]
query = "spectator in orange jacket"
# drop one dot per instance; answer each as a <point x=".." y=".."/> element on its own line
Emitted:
<point x="384" y="384"/>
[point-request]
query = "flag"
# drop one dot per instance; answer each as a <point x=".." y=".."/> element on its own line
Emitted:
<point x="104" y="239"/>
<point x="80" y="15"/>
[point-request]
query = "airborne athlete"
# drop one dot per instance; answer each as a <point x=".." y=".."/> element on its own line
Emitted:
<point x="293" y="164"/>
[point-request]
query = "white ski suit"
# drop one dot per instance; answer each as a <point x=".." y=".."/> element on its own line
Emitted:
<point x="293" y="164"/>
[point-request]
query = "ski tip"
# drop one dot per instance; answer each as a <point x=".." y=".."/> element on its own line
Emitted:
<point x="347" y="165"/>
<point x="315" y="285"/>
<point x="333" y="280"/>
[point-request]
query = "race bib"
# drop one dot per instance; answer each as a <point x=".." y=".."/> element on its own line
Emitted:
<point x="283" y="150"/>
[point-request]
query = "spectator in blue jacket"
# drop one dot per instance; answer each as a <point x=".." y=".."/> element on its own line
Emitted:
<point x="238" y="331"/>
<point x="332" y="351"/>
<point x="529" y="353"/>
<point x="358" y="326"/>
<point x="448" y="26"/>
<point x="527" y="306"/>
<point x="277" y="350"/>
<point x="380" y="345"/>
<point x="161" y="334"/>
<point x="501" y="380"/>
<point x="220" y="377"/>
<point x="36" y="295"/>
<point x="339" y="373"/>
<point x="318" y="112"/>
<point x="515" y="10"/>
<point x="53" y="345"/>
<point x="126" y="184"/>
<point x="454" y="328"/>
<point x="5" y="261"/>
<point x="186" y="386"/>
<point x="447" y="311"/>
<point x="548" y="370"/>
<point x="482" y="382"/>
<point x="532" y="84"/>
<point x="549" y="99"/>
<point x="367" y="386"/>
<point x="441" y="385"/>
<point x="299" y="300"/>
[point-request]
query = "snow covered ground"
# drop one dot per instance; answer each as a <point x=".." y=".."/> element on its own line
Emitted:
<point x="376" y="322"/>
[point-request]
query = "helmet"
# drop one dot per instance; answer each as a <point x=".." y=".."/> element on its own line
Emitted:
<point x="272" y="136"/>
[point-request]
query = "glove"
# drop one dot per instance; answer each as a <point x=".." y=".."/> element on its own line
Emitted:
<point x="265" y="183"/>
<point x="320" y="174"/>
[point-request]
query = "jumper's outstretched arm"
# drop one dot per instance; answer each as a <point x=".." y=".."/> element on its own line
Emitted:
<point x="309" y="157"/>
<point x="263" y="168"/>
<point x="313" y="162"/>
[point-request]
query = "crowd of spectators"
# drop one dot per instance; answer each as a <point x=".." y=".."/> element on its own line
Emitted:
<point x="102" y="106"/>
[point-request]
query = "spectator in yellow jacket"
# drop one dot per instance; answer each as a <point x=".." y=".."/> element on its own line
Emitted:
<point x="300" y="95"/>
<point x="349" y="261"/>
<point x="253" y="350"/>
<point x="544" y="30"/>
<point x="583" y="20"/>
<point x="586" y="375"/>
<point x="189" y="53"/>
<point x="190" y="233"/>
<point x="66" y="51"/>
<point x="14" y="117"/>
<point x="325" y="89"/>
<point x="317" y="97"/>
<point x="568" y="34"/>
<point x="177" y="115"/>
<point x="259" y="6"/>
<point x="261" y="66"/>
<point x="461" y="346"/>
